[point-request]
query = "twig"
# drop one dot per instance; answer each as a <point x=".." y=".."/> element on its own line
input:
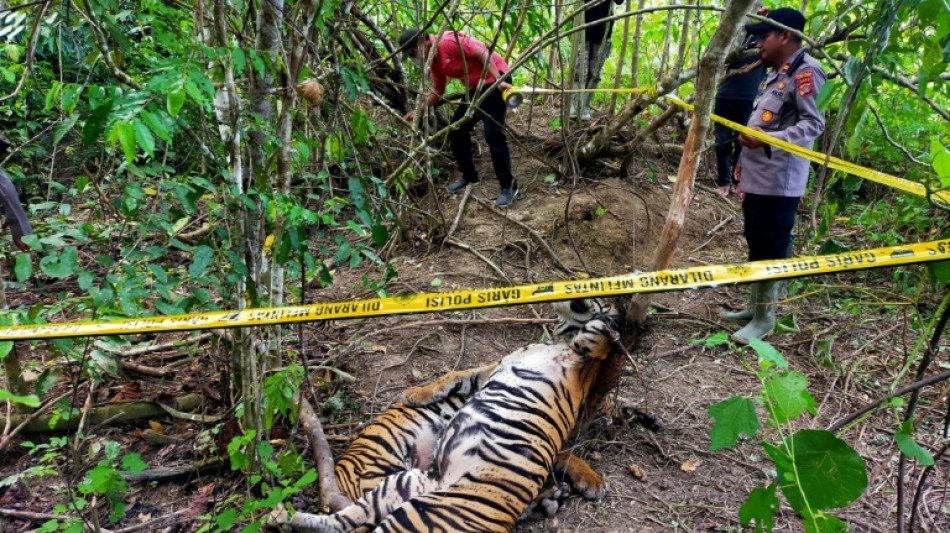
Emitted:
<point x="458" y="216"/>
<point x="537" y="236"/>
<point x="479" y="255"/>
<point x="834" y="428"/>
<point x="36" y="517"/>
<point x="164" y="473"/>
<point x="152" y="371"/>
<point x="399" y="364"/>
<point x="142" y="350"/>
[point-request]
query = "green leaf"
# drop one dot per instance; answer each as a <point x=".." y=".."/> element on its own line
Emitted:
<point x="832" y="246"/>
<point x="176" y="99"/>
<point x="30" y="400"/>
<point x="823" y="98"/>
<point x="5" y="348"/>
<point x="940" y="271"/>
<point x="156" y="124"/>
<point x="380" y="234"/>
<point x="732" y="417"/>
<point x="717" y="339"/>
<point x="436" y="282"/>
<point x="787" y="324"/>
<point x="830" y="473"/>
<point x="62" y="265"/>
<point x="143" y="137"/>
<point x="203" y="257"/>
<point x="823" y="523"/>
<point x="47" y="380"/>
<point x="126" y="135"/>
<point x="133" y="463"/>
<point x="23" y="269"/>
<point x="239" y="60"/>
<point x="940" y="159"/>
<point x="96" y="123"/>
<point x="768" y="353"/>
<point x="226" y="519"/>
<point x="788" y="396"/>
<point x="909" y="447"/>
<point x="761" y="506"/>
<point x="64" y="127"/>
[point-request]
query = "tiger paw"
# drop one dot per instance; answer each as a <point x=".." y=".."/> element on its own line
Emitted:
<point x="595" y="340"/>
<point x="548" y="502"/>
<point x="278" y="521"/>
<point x="589" y="484"/>
<point x="422" y="396"/>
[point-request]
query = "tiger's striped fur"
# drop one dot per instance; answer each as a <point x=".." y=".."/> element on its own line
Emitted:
<point x="494" y="453"/>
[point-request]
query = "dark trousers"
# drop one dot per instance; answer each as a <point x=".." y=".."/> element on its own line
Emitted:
<point x="12" y="208"/>
<point x="492" y="113"/>
<point x="769" y="221"/>
<point x="727" y="139"/>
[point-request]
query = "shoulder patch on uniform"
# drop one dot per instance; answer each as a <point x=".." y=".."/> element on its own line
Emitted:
<point x="781" y="85"/>
<point x="805" y="75"/>
<point x="805" y="81"/>
<point x="767" y="116"/>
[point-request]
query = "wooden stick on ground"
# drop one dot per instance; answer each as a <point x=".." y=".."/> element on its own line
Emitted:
<point x="329" y="490"/>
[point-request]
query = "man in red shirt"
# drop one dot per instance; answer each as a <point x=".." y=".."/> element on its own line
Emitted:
<point x="467" y="59"/>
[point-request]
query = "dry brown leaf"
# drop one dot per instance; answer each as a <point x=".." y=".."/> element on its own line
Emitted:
<point x="157" y="427"/>
<point x="131" y="391"/>
<point x="311" y="91"/>
<point x="637" y="472"/>
<point x="689" y="466"/>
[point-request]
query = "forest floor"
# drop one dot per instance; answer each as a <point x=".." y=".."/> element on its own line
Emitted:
<point x="598" y="225"/>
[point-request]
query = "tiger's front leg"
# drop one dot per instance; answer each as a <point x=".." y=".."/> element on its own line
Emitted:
<point x="371" y="509"/>
<point x="580" y="475"/>
<point x="462" y="383"/>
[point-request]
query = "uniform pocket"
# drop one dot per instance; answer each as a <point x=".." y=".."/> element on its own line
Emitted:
<point x="768" y="113"/>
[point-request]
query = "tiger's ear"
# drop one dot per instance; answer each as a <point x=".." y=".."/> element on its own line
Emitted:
<point x="580" y="306"/>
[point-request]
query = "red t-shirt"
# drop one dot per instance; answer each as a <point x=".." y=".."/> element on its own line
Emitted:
<point x="451" y="62"/>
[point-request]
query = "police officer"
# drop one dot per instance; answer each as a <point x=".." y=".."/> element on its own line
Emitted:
<point x="734" y="100"/>
<point x="772" y="182"/>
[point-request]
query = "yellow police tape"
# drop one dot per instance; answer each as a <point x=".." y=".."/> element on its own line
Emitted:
<point x="911" y="187"/>
<point x="649" y="282"/>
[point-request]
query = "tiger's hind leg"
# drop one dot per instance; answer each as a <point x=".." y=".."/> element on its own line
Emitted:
<point x="461" y="382"/>
<point x="371" y="509"/>
<point x="580" y="475"/>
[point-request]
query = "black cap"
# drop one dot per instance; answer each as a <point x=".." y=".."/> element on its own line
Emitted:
<point x="788" y="16"/>
<point x="408" y="39"/>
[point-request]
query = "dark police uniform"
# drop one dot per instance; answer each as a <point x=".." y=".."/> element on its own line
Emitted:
<point x="734" y="100"/>
<point x="772" y="179"/>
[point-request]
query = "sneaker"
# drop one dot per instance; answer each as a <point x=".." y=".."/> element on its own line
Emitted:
<point x="507" y="196"/>
<point x="459" y="184"/>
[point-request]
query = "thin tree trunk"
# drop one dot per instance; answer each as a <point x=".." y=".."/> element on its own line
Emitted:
<point x="620" y="61"/>
<point x="637" y="36"/>
<point x="667" y="39"/>
<point x="710" y="67"/>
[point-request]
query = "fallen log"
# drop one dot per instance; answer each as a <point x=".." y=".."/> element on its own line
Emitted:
<point x="113" y="413"/>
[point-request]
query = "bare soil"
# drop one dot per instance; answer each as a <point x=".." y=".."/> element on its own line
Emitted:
<point x="597" y="225"/>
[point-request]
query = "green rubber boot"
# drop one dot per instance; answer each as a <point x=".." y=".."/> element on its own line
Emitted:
<point x="743" y="315"/>
<point x="764" y="318"/>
